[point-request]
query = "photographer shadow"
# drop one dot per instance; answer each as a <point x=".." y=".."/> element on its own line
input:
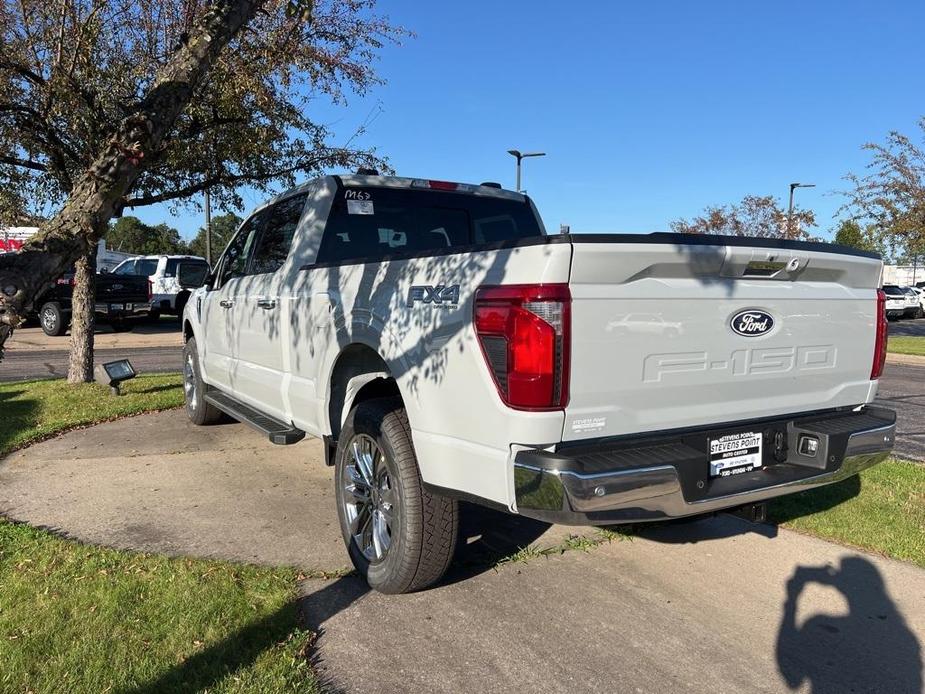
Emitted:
<point x="869" y="649"/>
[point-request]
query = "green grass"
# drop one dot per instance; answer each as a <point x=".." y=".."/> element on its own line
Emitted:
<point x="883" y="511"/>
<point x="905" y="344"/>
<point x="584" y="543"/>
<point x="34" y="410"/>
<point x="86" y="619"/>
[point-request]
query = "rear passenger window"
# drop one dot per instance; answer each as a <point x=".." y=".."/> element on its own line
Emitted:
<point x="274" y="242"/>
<point x="375" y="222"/>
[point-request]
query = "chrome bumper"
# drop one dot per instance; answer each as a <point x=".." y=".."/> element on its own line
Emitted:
<point x="666" y="476"/>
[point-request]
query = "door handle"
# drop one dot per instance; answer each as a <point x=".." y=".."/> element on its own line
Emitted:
<point x="266" y="303"/>
<point x="226" y="303"/>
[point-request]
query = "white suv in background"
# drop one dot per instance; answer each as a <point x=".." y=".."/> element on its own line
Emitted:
<point x="896" y="301"/>
<point x="167" y="296"/>
<point x="919" y="305"/>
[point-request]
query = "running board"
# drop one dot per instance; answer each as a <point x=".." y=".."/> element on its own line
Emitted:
<point x="278" y="432"/>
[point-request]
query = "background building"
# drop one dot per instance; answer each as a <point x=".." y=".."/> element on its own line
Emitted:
<point x="12" y="239"/>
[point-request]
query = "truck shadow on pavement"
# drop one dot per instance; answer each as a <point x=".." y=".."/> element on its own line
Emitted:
<point x="486" y="537"/>
<point x="871" y="648"/>
<point x="781" y="510"/>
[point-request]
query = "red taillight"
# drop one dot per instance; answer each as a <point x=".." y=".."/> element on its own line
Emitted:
<point x="523" y="331"/>
<point x="880" y="343"/>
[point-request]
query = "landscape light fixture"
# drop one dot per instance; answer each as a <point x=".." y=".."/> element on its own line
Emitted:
<point x="793" y="187"/>
<point x="112" y="373"/>
<point x="520" y="156"/>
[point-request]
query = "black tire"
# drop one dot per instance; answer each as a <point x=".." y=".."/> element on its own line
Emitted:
<point x="121" y="325"/>
<point x="423" y="527"/>
<point x="154" y="315"/>
<point x="52" y="319"/>
<point x="199" y="411"/>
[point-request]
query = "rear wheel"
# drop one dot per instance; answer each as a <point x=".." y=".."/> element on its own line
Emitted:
<point x="400" y="537"/>
<point x="120" y="325"/>
<point x="52" y="319"/>
<point x="199" y="411"/>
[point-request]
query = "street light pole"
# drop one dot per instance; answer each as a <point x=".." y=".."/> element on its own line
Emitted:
<point x="794" y="186"/>
<point x="520" y="156"/>
<point x="208" y="228"/>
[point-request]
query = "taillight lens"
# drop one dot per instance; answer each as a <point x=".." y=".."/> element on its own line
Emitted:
<point x="150" y="290"/>
<point x="524" y="333"/>
<point x="880" y="343"/>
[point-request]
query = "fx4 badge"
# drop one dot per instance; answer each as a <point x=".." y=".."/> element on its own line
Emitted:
<point x="439" y="295"/>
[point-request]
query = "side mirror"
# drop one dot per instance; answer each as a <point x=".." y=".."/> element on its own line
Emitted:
<point x="192" y="275"/>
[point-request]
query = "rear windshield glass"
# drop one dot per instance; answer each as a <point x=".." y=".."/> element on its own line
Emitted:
<point x="375" y="222"/>
<point x="894" y="291"/>
<point x="143" y="267"/>
<point x="171" y="269"/>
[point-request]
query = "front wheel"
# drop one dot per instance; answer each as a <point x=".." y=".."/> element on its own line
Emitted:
<point x="400" y="537"/>
<point x="120" y="325"/>
<point x="199" y="411"/>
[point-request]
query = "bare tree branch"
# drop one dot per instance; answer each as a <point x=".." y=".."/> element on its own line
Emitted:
<point x="23" y="163"/>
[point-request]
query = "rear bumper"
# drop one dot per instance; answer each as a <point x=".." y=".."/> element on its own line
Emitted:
<point x="123" y="310"/>
<point x="667" y="476"/>
<point x="164" y="302"/>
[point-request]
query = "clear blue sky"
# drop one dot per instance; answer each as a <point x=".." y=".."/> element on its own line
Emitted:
<point x="648" y="111"/>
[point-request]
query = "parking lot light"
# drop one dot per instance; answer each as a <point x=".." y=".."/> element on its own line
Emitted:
<point x="517" y="154"/>
<point x="794" y="186"/>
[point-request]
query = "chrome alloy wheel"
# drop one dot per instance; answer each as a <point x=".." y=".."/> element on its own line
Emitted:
<point x="369" y="500"/>
<point x="189" y="383"/>
<point x="49" y="320"/>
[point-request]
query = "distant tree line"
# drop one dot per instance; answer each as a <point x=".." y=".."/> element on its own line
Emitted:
<point x="131" y="235"/>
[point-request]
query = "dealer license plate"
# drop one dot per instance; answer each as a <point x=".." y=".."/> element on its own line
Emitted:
<point x="733" y="454"/>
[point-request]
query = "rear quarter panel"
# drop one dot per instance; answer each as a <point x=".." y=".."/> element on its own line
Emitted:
<point x="461" y="429"/>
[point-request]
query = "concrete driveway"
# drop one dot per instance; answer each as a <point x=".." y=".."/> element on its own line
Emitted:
<point x="716" y="605"/>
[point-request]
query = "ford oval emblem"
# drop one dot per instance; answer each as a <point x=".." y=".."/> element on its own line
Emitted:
<point x="752" y="323"/>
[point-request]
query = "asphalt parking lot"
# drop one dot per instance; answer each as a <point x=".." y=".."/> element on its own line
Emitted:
<point x="910" y="328"/>
<point x="152" y="347"/>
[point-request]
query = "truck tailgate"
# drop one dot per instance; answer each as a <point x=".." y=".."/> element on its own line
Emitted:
<point x="653" y="339"/>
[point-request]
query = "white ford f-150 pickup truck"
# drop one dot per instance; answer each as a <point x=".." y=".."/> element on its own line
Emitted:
<point x="444" y="348"/>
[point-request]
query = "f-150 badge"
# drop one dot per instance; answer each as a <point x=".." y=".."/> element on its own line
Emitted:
<point x="438" y="295"/>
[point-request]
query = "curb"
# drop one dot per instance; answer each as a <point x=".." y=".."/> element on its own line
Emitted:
<point x="907" y="359"/>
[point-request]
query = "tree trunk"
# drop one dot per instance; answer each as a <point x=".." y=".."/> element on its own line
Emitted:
<point x="98" y="193"/>
<point x="83" y="319"/>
